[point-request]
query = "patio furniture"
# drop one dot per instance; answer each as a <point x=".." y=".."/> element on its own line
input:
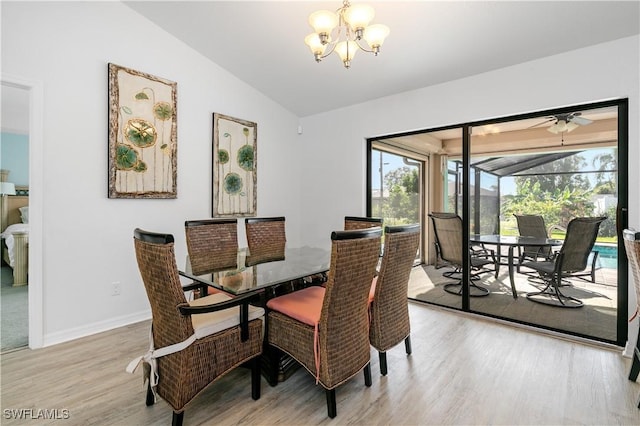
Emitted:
<point x="632" y="247"/>
<point x="388" y="309"/>
<point x="448" y="235"/>
<point x="532" y="226"/>
<point x="326" y="329"/>
<point x="192" y="344"/>
<point x="570" y="261"/>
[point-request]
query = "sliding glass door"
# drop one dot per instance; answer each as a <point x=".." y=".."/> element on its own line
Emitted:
<point x="557" y="165"/>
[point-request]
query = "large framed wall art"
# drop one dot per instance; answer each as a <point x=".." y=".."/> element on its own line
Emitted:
<point x="142" y="135"/>
<point x="234" y="167"/>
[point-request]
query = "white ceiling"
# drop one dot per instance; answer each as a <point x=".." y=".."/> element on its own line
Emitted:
<point x="431" y="42"/>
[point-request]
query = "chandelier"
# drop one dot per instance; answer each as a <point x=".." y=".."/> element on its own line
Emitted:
<point x="352" y="24"/>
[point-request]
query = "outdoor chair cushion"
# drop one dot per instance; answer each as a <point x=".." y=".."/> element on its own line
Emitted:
<point x="213" y="322"/>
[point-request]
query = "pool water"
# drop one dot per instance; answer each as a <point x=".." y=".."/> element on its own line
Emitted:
<point x="607" y="255"/>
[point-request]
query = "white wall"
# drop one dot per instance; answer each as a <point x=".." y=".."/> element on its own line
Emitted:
<point x="605" y="71"/>
<point x="87" y="238"/>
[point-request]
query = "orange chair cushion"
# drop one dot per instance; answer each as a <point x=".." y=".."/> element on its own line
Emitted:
<point x="372" y="292"/>
<point x="303" y="305"/>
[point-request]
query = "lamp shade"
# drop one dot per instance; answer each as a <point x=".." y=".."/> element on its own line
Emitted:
<point x="314" y="43"/>
<point x="346" y="50"/>
<point x="7" y="188"/>
<point x="376" y="34"/>
<point x="358" y="16"/>
<point x="323" y="21"/>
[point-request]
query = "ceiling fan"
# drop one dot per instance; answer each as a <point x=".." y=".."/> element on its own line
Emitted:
<point x="565" y="122"/>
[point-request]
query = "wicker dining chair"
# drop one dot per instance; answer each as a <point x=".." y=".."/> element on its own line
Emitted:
<point x="632" y="247"/>
<point x="571" y="260"/>
<point x="212" y="244"/>
<point x="192" y="344"/>
<point x="326" y="329"/>
<point x="265" y="232"/>
<point x="388" y="309"/>
<point x="356" y="222"/>
<point x="448" y="235"/>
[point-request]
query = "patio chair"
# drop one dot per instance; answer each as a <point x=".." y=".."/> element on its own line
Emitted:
<point x="532" y="226"/>
<point x="388" y="309"/>
<point x="326" y="329"/>
<point x="355" y="222"/>
<point x="448" y="234"/>
<point x="570" y="261"/>
<point x="632" y="247"/>
<point x="192" y="344"/>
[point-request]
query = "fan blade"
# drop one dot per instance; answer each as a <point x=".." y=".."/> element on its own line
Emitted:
<point x="581" y="120"/>
<point x="548" y="120"/>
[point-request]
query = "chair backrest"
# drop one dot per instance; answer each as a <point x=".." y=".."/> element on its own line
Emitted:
<point x="212" y="244"/>
<point x="581" y="236"/>
<point x="265" y="232"/>
<point x="530" y="225"/>
<point x="355" y="222"/>
<point x="389" y="308"/>
<point x="157" y="264"/>
<point x="448" y="232"/>
<point x="344" y="319"/>
<point x="632" y="247"/>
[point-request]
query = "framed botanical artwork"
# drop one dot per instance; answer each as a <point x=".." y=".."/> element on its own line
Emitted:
<point x="234" y="167"/>
<point x="142" y="135"/>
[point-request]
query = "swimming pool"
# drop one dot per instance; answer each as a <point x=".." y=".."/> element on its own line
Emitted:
<point x="607" y="255"/>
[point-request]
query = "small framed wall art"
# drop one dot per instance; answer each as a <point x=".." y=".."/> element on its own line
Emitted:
<point x="234" y="167"/>
<point x="142" y="135"/>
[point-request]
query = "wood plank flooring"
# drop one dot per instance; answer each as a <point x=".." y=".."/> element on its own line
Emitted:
<point x="463" y="370"/>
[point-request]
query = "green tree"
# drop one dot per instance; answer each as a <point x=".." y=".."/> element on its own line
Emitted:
<point x="552" y="175"/>
<point x="401" y="206"/>
<point x="558" y="206"/>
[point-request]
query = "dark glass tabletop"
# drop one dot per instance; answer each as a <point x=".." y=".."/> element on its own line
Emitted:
<point x="264" y="269"/>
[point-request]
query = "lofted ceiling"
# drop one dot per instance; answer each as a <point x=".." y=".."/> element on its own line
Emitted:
<point x="431" y="42"/>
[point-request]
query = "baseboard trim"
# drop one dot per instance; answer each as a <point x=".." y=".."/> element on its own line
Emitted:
<point x="95" y="328"/>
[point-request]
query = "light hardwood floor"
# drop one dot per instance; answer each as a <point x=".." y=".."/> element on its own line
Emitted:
<point x="463" y="370"/>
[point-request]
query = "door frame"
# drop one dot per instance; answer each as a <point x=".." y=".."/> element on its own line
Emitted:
<point x="36" y="184"/>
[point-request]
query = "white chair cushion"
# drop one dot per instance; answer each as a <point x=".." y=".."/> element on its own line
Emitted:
<point x="213" y="322"/>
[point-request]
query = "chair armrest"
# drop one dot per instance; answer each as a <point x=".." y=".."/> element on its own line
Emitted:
<point x="241" y="301"/>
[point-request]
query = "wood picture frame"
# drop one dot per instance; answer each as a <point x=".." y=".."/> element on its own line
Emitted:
<point x="235" y="143"/>
<point x="142" y="135"/>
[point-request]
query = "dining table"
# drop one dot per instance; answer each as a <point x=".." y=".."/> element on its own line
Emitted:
<point x="267" y="272"/>
<point x="263" y="270"/>
<point x="512" y="242"/>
